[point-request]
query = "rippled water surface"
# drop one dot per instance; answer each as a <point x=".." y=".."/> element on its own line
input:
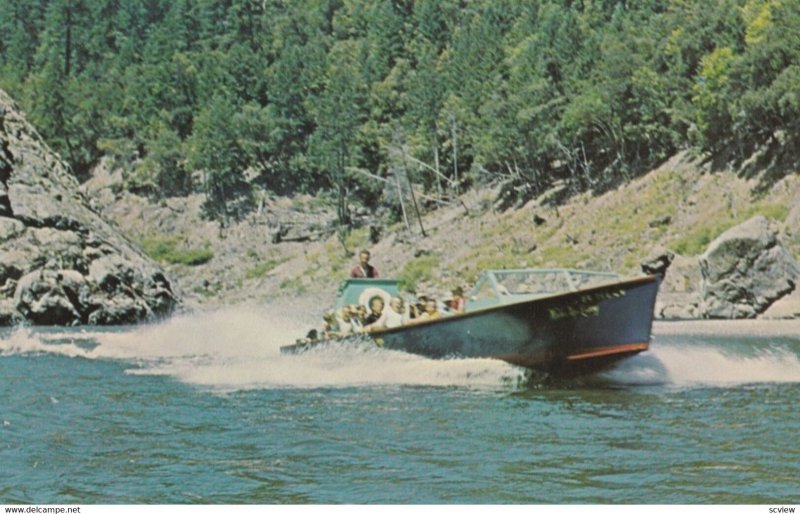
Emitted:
<point x="204" y="409"/>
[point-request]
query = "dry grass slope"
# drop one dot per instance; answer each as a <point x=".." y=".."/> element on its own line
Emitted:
<point x="682" y="205"/>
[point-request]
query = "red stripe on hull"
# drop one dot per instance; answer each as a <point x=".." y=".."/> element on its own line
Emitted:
<point x="610" y="350"/>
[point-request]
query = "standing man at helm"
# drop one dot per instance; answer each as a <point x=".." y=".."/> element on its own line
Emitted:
<point x="363" y="269"/>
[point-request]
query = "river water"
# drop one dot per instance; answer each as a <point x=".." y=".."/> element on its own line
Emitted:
<point x="205" y="409"/>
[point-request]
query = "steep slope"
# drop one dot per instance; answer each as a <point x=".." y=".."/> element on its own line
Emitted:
<point x="681" y="206"/>
<point x="60" y="261"/>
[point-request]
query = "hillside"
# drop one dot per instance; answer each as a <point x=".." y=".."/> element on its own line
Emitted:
<point x="226" y="99"/>
<point x="682" y="205"/>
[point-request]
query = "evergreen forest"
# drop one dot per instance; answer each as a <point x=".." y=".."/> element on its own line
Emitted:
<point x="312" y="96"/>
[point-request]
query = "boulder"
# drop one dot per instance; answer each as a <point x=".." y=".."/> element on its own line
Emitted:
<point x="111" y="273"/>
<point x="679" y="292"/>
<point x="12" y="266"/>
<point x="658" y="261"/>
<point x="10" y="228"/>
<point x="9" y="315"/>
<point x="61" y="263"/>
<point x="118" y="309"/>
<point x="745" y="270"/>
<point x="6" y="167"/>
<point x="40" y="298"/>
<point x="679" y="295"/>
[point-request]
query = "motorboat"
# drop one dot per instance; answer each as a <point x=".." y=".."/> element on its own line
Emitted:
<point x="560" y="321"/>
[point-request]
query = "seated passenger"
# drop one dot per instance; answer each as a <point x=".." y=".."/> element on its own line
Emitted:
<point x="311" y="337"/>
<point x="345" y="322"/>
<point x="431" y="311"/>
<point x="349" y="323"/>
<point x="330" y="325"/>
<point x="395" y="314"/>
<point x="375" y="317"/>
<point x="458" y="301"/>
<point x="416" y="309"/>
<point x="358" y="315"/>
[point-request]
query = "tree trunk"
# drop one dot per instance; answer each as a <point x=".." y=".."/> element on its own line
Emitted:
<point x="455" y="154"/>
<point x="413" y="196"/>
<point x="68" y="40"/>
<point x="400" y="198"/>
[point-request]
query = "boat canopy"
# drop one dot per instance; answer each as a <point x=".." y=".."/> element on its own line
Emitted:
<point x="501" y="287"/>
<point x="361" y="290"/>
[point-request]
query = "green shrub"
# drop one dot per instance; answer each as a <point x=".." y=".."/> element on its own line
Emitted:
<point x="774" y="211"/>
<point x="261" y="269"/>
<point x="697" y="240"/>
<point x="169" y="250"/>
<point x="418" y="270"/>
<point x="294" y="284"/>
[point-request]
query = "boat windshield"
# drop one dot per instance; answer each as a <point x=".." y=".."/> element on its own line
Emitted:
<point x="544" y="282"/>
<point x="508" y="286"/>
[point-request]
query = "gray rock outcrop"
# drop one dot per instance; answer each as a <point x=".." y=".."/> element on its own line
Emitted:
<point x="60" y="262"/>
<point x="679" y="294"/>
<point x="746" y="270"/>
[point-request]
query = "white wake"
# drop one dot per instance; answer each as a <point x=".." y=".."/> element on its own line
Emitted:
<point x="240" y="349"/>
<point x="716" y="353"/>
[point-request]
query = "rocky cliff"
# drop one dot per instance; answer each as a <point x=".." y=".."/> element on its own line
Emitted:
<point x="61" y="263"/>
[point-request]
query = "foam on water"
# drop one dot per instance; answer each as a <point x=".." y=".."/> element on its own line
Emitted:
<point x="755" y="328"/>
<point x="706" y="366"/>
<point x="240" y="349"/>
<point x="711" y="365"/>
<point x="716" y="353"/>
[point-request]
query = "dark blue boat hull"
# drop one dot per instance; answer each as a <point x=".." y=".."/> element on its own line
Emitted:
<point x="567" y="334"/>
